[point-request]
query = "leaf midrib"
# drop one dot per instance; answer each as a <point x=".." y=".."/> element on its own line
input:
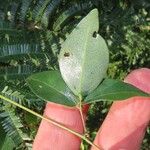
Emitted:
<point x="83" y="62"/>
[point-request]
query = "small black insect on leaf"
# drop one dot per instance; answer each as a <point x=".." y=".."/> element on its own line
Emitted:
<point x="94" y="34"/>
<point x="66" y="54"/>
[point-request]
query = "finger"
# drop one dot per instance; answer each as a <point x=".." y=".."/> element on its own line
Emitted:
<point x="140" y="78"/>
<point x="126" y="122"/>
<point x="51" y="137"/>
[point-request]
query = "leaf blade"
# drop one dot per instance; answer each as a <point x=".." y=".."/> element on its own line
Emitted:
<point x="111" y="90"/>
<point x="84" y="58"/>
<point x="49" y="86"/>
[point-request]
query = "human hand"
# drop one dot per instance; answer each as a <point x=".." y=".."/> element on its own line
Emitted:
<point x="123" y="128"/>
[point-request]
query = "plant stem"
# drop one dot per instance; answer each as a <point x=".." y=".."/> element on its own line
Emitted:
<point x="81" y="114"/>
<point x="50" y="121"/>
<point x="82" y="118"/>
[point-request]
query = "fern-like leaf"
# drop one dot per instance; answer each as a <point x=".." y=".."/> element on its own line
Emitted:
<point x="16" y="72"/>
<point x="7" y="28"/>
<point x="25" y="97"/>
<point x="49" y="12"/>
<point x="12" y="14"/>
<point x="19" y="50"/>
<point x="23" y="10"/>
<point x="12" y="125"/>
<point x="39" y="9"/>
<point x="69" y="13"/>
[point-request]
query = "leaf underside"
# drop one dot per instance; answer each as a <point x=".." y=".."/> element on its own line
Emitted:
<point x="84" y="57"/>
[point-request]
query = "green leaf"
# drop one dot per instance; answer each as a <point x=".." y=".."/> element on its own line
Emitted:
<point x="84" y="56"/>
<point x="49" y="12"/>
<point x="12" y="125"/>
<point x="69" y="13"/>
<point x="50" y="86"/>
<point x="23" y="10"/>
<point x="16" y="72"/>
<point x="2" y="134"/>
<point x="111" y="90"/>
<point x="8" y="144"/>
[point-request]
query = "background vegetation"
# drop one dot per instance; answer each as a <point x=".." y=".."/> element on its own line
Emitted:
<point x="31" y="33"/>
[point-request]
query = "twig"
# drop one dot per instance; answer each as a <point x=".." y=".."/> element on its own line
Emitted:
<point x="50" y="121"/>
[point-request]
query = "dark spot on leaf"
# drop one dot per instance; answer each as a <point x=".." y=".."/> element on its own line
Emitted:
<point x="66" y="54"/>
<point x="94" y="34"/>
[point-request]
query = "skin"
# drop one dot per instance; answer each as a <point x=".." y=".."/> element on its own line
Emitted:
<point x="123" y="128"/>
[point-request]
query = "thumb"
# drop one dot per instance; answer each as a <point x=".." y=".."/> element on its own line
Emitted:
<point x="126" y="122"/>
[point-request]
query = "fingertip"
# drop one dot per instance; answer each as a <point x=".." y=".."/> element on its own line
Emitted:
<point x="140" y="78"/>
